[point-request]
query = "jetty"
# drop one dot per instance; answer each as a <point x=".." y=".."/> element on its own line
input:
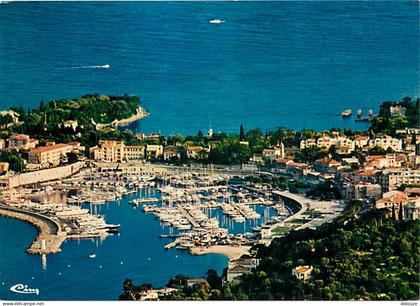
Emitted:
<point x="50" y="237"/>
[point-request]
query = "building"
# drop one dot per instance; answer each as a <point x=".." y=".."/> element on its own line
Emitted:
<point x="385" y="161"/>
<point x="132" y="153"/>
<point x="274" y="153"/>
<point x="154" y="151"/>
<point x="21" y="142"/>
<point x="326" y="165"/>
<point x="195" y="152"/>
<point x="108" y="151"/>
<point x="394" y="178"/>
<point x="50" y="155"/>
<point x="171" y="153"/>
<point x="14" y="116"/>
<point x="302" y="272"/>
<point x="233" y="273"/>
<point x="386" y="142"/>
<point x="71" y="124"/>
<point x="248" y="263"/>
<point x="408" y="201"/>
<point x="4" y="167"/>
<point x="2" y="144"/>
<point x="196" y="281"/>
<point x="363" y="191"/>
<point x="397" y="110"/>
<point x="116" y="152"/>
<point x="361" y="142"/>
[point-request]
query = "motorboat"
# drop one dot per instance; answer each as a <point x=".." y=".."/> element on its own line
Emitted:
<point x="216" y="21"/>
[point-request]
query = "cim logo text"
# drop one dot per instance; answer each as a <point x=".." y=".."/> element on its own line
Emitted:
<point x="23" y="289"/>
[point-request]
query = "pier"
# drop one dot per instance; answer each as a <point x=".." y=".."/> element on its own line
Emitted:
<point x="50" y="237"/>
<point x="188" y="217"/>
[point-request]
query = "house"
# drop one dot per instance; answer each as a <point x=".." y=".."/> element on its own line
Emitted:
<point x="71" y="124"/>
<point x="195" y="152"/>
<point x="307" y="143"/>
<point x="362" y="191"/>
<point x="12" y="114"/>
<point x="235" y="272"/>
<point x="397" y="110"/>
<point x="4" y="167"/>
<point x="351" y="161"/>
<point x="171" y="153"/>
<point x="385" y="161"/>
<point x="302" y="272"/>
<point x="258" y="158"/>
<point x="273" y="153"/>
<point x="21" y="142"/>
<point x="326" y="165"/>
<point x="361" y="142"/>
<point x="154" y="151"/>
<point x="386" y="142"/>
<point x="248" y="263"/>
<point x="395" y="200"/>
<point x="366" y="175"/>
<point x="196" y="281"/>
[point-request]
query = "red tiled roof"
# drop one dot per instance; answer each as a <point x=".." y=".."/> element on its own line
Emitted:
<point x="48" y="148"/>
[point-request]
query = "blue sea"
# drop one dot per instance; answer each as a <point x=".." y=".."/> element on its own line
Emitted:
<point x="295" y="64"/>
<point x="270" y="64"/>
<point x="137" y="253"/>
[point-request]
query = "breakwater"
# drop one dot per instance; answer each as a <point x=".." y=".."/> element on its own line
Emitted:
<point x="49" y="238"/>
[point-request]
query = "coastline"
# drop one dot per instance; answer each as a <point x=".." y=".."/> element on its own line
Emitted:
<point x="140" y="114"/>
<point x="232" y="252"/>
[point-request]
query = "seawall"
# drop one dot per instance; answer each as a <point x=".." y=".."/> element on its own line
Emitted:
<point x="49" y="238"/>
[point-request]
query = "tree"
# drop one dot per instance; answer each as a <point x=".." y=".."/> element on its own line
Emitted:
<point x="213" y="279"/>
<point x="241" y="133"/>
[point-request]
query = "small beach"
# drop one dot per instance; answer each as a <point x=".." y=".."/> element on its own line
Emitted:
<point x="232" y="252"/>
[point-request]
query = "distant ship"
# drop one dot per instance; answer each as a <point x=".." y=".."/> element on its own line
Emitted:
<point x="346" y="113"/>
<point x="216" y="21"/>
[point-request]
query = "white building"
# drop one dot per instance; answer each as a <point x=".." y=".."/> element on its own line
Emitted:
<point x="394" y="178"/>
<point x="302" y="272"/>
<point x="386" y="142"/>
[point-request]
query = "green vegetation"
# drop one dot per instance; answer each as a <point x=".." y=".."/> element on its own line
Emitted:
<point x="14" y="159"/>
<point x="368" y="257"/>
<point x="387" y="123"/>
<point x="46" y="122"/>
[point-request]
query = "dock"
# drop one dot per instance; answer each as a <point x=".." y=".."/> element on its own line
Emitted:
<point x="188" y="217"/>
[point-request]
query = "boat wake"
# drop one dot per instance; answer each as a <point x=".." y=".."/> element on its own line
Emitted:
<point x="85" y="67"/>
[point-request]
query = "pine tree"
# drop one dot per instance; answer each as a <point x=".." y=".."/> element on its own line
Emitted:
<point x="393" y="212"/>
<point x="200" y="134"/>
<point x="241" y="133"/>
<point x="400" y="213"/>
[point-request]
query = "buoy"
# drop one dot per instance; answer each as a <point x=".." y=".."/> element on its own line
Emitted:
<point x="59" y="273"/>
<point x="69" y="266"/>
<point x="100" y="267"/>
<point x="121" y="262"/>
